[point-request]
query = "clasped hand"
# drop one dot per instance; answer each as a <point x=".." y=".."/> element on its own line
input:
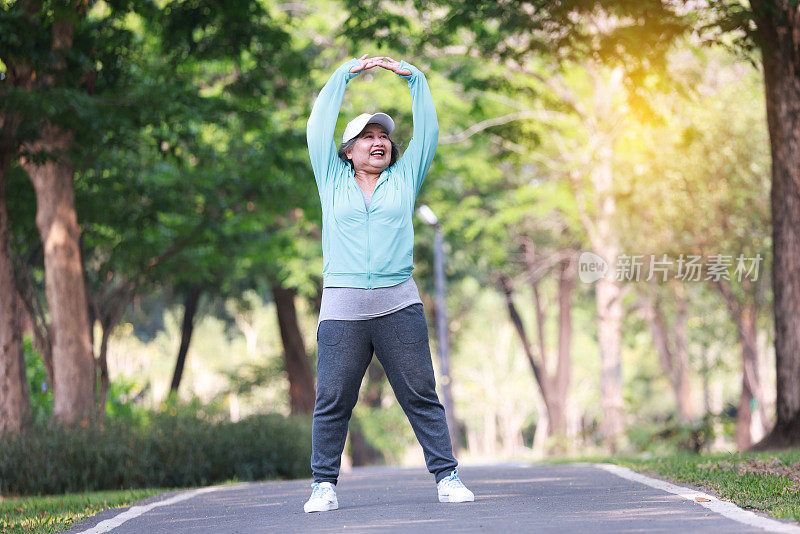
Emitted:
<point x="366" y="63"/>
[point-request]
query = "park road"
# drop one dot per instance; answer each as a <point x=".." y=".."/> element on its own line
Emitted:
<point x="517" y="498"/>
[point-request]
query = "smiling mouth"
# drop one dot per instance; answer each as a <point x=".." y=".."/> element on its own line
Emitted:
<point x="379" y="153"/>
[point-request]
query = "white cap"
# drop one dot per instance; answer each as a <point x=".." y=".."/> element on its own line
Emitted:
<point x="355" y="126"/>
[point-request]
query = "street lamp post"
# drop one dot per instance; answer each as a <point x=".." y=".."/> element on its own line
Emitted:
<point x="427" y="216"/>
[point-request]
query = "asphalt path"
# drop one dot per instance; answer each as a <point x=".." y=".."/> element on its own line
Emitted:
<point x="509" y="499"/>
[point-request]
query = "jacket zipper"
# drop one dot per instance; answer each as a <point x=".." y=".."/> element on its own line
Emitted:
<point x="369" y="273"/>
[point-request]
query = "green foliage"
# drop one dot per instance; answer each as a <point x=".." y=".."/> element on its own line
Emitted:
<point x="187" y="145"/>
<point x="41" y="394"/>
<point x="172" y="448"/>
<point x="385" y="429"/>
<point x="673" y="435"/>
<point x="633" y="35"/>
<point x="119" y="404"/>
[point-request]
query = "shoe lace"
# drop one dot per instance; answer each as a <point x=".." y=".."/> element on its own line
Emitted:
<point x="318" y="490"/>
<point x="453" y="480"/>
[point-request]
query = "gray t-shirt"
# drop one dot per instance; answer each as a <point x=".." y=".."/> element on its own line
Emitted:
<point x="359" y="304"/>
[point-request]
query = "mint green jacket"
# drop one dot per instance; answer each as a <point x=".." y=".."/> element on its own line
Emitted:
<point x="369" y="248"/>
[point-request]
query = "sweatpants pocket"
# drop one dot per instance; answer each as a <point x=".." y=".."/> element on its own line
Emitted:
<point x="329" y="332"/>
<point x="409" y="324"/>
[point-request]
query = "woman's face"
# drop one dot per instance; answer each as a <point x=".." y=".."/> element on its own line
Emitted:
<point x="372" y="151"/>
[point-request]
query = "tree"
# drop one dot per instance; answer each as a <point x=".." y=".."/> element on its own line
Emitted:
<point x="778" y="37"/>
<point x="671" y="342"/>
<point x="189" y="312"/>
<point x="298" y="368"/>
<point x="554" y="387"/>
<point x="180" y="108"/>
<point x="41" y="60"/>
<point x="14" y="400"/>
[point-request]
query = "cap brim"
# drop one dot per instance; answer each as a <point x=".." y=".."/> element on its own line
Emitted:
<point x="357" y="125"/>
<point x="382" y="119"/>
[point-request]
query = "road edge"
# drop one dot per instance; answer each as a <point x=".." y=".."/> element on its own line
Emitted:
<point x="711" y="502"/>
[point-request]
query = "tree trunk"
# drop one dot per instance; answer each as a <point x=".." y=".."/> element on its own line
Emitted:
<point x="683" y="384"/>
<point x="15" y="405"/>
<point x="540" y="320"/>
<point x="778" y="26"/>
<point x="558" y="384"/>
<point x="608" y="294"/>
<point x="598" y="216"/>
<point x="554" y="390"/>
<point x="558" y="413"/>
<point x="298" y="368"/>
<point x="102" y="362"/>
<point x="57" y="221"/>
<point x="189" y="312"/>
<point x="751" y="376"/>
<point x="108" y="306"/>
<point x="743" y="417"/>
<point x="609" y="337"/>
<point x="316" y="300"/>
<point x="539" y="373"/>
<point x="107" y="324"/>
<point x="673" y="356"/>
<point x="745" y="316"/>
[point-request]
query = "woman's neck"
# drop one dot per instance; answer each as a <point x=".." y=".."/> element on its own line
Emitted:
<point x="367" y="180"/>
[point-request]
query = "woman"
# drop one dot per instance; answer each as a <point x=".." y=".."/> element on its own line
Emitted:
<point x="369" y="300"/>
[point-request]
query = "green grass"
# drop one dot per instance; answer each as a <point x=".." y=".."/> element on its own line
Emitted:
<point x="766" y="481"/>
<point x="54" y="513"/>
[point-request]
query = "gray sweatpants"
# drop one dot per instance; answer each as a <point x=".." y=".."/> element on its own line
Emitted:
<point x="400" y="341"/>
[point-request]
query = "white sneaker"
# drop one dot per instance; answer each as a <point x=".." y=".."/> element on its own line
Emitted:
<point x="323" y="498"/>
<point x="451" y="489"/>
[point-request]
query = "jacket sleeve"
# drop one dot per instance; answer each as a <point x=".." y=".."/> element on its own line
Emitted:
<point x="418" y="156"/>
<point x="322" y="123"/>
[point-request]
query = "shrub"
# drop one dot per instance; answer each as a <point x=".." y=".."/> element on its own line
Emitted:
<point x="671" y="435"/>
<point x="165" y="450"/>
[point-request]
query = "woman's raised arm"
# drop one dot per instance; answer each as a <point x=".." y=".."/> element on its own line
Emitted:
<point x="322" y="121"/>
<point x="419" y="155"/>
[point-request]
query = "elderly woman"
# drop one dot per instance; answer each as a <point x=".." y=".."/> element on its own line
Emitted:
<point x="369" y="300"/>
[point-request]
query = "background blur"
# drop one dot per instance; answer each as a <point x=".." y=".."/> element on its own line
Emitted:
<point x="638" y="135"/>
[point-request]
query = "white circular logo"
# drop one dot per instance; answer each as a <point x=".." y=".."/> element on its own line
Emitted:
<point x="591" y="267"/>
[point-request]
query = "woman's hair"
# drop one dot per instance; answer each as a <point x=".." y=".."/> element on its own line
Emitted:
<point x="348" y="145"/>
